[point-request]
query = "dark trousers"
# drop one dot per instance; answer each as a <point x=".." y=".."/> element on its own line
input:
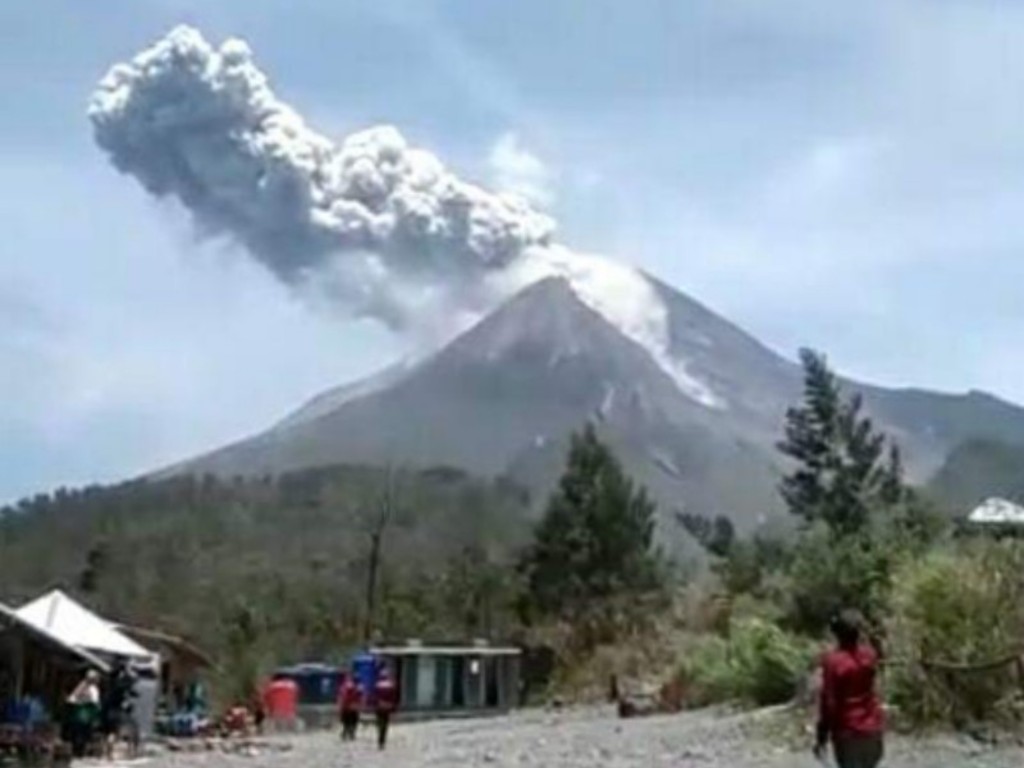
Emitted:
<point x="80" y="735"/>
<point x="858" y="751"/>
<point x="383" y="721"/>
<point x="349" y="724"/>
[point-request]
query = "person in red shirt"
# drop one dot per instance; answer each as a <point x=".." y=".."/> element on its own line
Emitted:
<point x="851" y="713"/>
<point x="385" y="701"/>
<point x="350" y="702"/>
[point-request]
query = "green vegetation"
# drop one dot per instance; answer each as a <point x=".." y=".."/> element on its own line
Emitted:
<point x="846" y="472"/>
<point x="958" y="606"/>
<point x="264" y="571"/>
<point x="591" y="555"/>
<point x="865" y="540"/>
<point x="756" y="662"/>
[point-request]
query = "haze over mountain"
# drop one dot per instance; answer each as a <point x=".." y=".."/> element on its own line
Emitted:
<point x="502" y="398"/>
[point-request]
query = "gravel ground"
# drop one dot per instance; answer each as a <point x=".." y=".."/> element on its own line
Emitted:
<point x="585" y="739"/>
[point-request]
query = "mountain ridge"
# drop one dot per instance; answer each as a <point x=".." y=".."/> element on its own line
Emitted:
<point x="502" y="397"/>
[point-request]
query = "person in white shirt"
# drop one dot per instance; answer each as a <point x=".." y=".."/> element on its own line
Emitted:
<point x="84" y="706"/>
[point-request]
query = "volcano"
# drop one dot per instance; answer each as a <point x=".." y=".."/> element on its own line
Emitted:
<point x="696" y="421"/>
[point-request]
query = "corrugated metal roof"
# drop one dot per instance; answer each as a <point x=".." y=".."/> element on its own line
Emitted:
<point x="10" y="617"/>
<point x="444" y="650"/>
<point x="76" y="625"/>
<point x="180" y="645"/>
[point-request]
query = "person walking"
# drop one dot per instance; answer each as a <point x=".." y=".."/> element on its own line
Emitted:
<point x="116" y="704"/>
<point x="350" y="702"/>
<point x="83" y="711"/>
<point x="385" y="701"/>
<point x="851" y="715"/>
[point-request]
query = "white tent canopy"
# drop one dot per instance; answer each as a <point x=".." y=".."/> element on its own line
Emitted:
<point x="998" y="512"/>
<point x="77" y="626"/>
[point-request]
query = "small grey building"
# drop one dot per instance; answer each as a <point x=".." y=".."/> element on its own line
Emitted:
<point x="453" y="680"/>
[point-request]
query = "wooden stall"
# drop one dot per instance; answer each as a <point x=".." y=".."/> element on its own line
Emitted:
<point x="182" y="664"/>
<point x="36" y="666"/>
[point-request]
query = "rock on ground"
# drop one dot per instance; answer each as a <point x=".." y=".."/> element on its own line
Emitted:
<point x="583" y="740"/>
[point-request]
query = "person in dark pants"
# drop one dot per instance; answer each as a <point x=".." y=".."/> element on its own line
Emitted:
<point x="350" y="702"/>
<point x="83" y="712"/>
<point x="116" y="704"/>
<point x="851" y="713"/>
<point x="385" y="701"/>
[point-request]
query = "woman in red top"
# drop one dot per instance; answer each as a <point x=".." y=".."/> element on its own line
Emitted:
<point x="350" y="700"/>
<point x="851" y="713"/>
<point x="385" y="701"/>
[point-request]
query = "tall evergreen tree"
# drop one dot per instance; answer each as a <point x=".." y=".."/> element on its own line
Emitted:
<point x="595" y="539"/>
<point x="97" y="561"/>
<point x="892" y="489"/>
<point x="843" y="469"/>
<point x="811" y="439"/>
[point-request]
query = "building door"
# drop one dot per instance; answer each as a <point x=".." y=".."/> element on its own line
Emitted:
<point x="458" y="682"/>
<point x="492" y="682"/>
<point x="443" y="690"/>
<point x="426" y="682"/>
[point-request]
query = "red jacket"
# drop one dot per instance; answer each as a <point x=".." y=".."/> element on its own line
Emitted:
<point x="849" y="704"/>
<point x="350" y="696"/>
<point x="385" y="695"/>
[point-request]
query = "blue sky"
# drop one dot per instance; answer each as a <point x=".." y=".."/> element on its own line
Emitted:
<point x="848" y="176"/>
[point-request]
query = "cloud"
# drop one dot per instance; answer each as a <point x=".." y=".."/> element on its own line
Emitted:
<point x="515" y="169"/>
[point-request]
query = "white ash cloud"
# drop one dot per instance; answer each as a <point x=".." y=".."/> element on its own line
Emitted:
<point x="202" y="125"/>
<point x="370" y="224"/>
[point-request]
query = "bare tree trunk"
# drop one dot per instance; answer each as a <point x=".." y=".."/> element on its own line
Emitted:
<point x="381" y="519"/>
<point x="371" y="586"/>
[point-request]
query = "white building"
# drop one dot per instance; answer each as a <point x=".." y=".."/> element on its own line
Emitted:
<point x="997" y="512"/>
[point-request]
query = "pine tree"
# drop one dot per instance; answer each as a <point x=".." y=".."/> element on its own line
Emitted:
<point x="892" y="490"/>
<point x="97" y="561"/>
<point x="811" y="439"/>
<point x="843" y="470"/>
<point x="595" y="539"/>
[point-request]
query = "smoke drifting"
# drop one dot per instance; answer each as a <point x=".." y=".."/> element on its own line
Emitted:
<point x="375" y="226"/>
<point x="202" y="125"/>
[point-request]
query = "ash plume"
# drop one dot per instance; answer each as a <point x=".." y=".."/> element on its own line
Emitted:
<point x="201" y="124"/>
<point x="369" y="224"/>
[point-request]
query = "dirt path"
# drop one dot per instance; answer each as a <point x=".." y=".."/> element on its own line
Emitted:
<point x="586" y="740"/>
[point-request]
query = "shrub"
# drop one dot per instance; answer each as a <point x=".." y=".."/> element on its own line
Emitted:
<point x="758" y="663"/>
<point x="745" y="607"/>
<point x="828" y="574"/>
<point x="959" y="606"/>
<point x="708" y="673"/>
